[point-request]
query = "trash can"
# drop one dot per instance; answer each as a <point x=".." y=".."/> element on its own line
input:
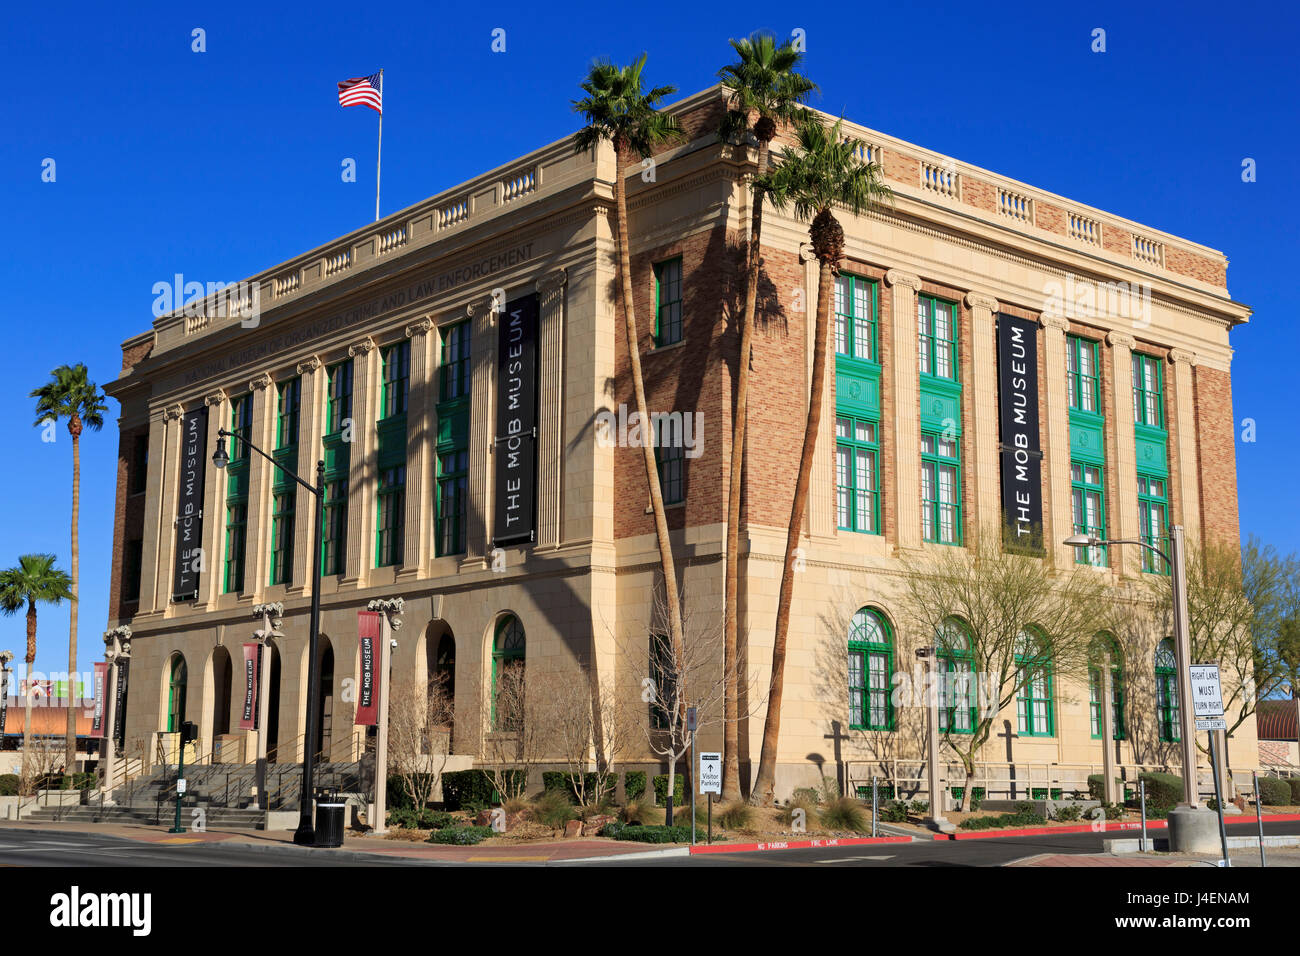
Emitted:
<point x="329" y="818"/>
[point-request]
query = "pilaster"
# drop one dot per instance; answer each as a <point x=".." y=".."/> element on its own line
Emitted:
<point x="907" y="406"/>
<point x="1058" y="521"/>
<point x="985" y="418"/>
<point x="361" y="472"/>
<point x="550" y="411"/>
<point x="420" y="445"/>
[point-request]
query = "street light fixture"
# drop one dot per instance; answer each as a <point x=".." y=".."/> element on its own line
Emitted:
<point x="305" y="835"/>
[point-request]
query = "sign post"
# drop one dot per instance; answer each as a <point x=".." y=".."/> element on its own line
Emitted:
<point x="1207" y="707"/>
<point x="710" y="777"/>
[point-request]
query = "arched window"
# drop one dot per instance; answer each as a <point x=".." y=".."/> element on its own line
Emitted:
<point x="1034" y="696"/>
<point x="953" y="661"/>
<point x="1167" y="720"/>
<point x="1103" y="645"/>
<point x="176" y="695"/>
<point x="508" y="674"/>
<point x="871" y="665"/>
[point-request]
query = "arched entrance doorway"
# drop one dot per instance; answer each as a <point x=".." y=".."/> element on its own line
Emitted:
<point x="177" y="680"/>
<point x="273" y="708"/>
<point x="222" y="671"/>
<point x="325" y="708"/>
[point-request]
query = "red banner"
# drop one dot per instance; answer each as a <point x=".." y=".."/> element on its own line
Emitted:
<point x="101" y="685"/>
<point x="248" y="717"/>
<point x="370" y="627"/>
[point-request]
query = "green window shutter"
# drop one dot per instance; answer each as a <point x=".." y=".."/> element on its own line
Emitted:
<point x="668" y="302"/>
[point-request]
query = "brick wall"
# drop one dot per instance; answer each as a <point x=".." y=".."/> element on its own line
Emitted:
<point x="128" y="521"/>
<point x="1216" y="451"/>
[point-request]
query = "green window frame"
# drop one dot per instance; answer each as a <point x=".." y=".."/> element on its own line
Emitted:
<point x="1082" y="376"/>
<point x="338" y="396"/>
<point x="1153" y="518"/>
<point x="1148" y="391"/>
<point x="668" y="302"/>
<point x="236" y="527"/>
<point x="856" y="331"/>
<point x="937" y="337"/>
<point x="1034" y="715"/>
<point x="176" y="687"/>
<point x="871" y="670"/>
<point x="334" y="546"/>
<point x="453" y="497"/>
<point x="509" y="649"/>
<point x="954" y="667"/>
<point x="453" y="366"/>
<point x="288" y="413"/>
<point x="282" y="534"/>
<point x="1088" y="508"/>
<point x="857" y="475"/>
<point x="396" y="379"/>
<point x="1168" y="722"/>
<point x="671" y="462"/>
<point x="390" y="529"/>
<point x="236" y="545"/>
<point x="1116" y="700"/>
<point x="941" y="519"/>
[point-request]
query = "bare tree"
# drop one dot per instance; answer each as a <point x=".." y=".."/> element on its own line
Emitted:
<point x="1002" y="622"/>
<point x="516" y="741"/>
<point x="591" y="728"/>
<point x="419" y="735"/>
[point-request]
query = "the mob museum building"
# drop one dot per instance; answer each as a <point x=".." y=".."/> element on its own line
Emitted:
<point x="461" y="369"/>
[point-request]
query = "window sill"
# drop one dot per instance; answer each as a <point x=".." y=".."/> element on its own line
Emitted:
<point x="660" y="349"/>
<point x="649" y="508"/>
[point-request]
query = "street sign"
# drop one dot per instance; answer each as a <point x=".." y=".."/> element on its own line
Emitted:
<point x="1212" y="723"/>
<point x="710" y="773"/>
<point x="180" y="785"/>
<point x="1207" y="695"/>
<point x="690" y="719"/>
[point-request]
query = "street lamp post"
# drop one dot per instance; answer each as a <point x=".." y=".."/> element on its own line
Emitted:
<point x="305" y="835"/>
<point x="936" y="820"/>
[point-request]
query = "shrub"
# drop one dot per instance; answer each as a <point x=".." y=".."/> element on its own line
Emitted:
<point x="633" y="784"/>
<point x="804" y="799"/>
<point x="640" y="810"/>
<point x="1113" y="810"/>
<point x="1293" y="783"/>
<point x="553" y="809"/>
<point x="8" y="784"/>
<point x="460" y="836"/>
<point x="1068" y="813"/>
<point x="1024" y="816"/>
<point x="919" y="807"/>
<point x="466" y="790"/>
<point x="398" y="798"/>
<point x="556" y="781"/>
<point x="661" y="789"/>
<point x="1163" y="790"/>
<point x="844" y="813"/>
<point x="410" y="819"/>
<point x="651" y="834"/>
<point x="895" y="811"/>
<point x="736" y="816"/>
<point x="1095" y="790"/>
<point x="612" y="830"/>
<point x="1274" y="792"/>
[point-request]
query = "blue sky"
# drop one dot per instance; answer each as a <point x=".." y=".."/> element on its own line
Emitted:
<point x="221" y="163"/>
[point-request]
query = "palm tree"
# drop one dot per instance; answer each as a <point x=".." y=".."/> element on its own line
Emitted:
<point x="35" y="579"/>
<point x="618" y="110"/>
<point x="820" y="173"/>
<point x="70" y="394"/>
<point x="762" y="90"/>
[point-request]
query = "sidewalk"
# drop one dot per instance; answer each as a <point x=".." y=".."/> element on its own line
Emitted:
<point x="533" y="852"/>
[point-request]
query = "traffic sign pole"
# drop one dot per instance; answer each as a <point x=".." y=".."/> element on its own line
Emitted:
<point x="1218" y="804"/>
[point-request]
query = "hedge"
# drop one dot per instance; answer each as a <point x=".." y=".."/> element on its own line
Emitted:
<point x="1023" y="817"/>
<point x="408" y="819"/>
<point x="634" y="784"/>
<point x="661" y="790"/>
<point x="1293" y="783"/>
<point x="647" y="834"/>
<point x="1095" y="789"/>
<point x="468" y="789"/>
<point x="1274" y="792"/>
<point x="562" y="781"/>
<point x="8" y="784"/>
<point x="398" y="798"/>
<point x="1163" y="790"/>
<point x="460" y="836"/>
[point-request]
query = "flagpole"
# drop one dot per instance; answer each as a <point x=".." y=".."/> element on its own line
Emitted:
<point x="379" y="156"/>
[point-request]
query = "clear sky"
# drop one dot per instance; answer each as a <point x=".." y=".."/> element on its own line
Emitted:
<point x="219" y="164"/>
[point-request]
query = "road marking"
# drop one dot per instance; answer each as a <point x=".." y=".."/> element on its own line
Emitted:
<point x="180" y="840"/>
<point x="852" y="859"/>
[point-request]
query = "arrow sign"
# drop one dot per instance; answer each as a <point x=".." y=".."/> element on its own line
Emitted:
<point x="710" y="775"/>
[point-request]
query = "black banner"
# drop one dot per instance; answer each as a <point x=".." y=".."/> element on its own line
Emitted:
<point x="516" y="438"/>
<point x="189" y="512"/>
<point x="123" y="666"/>
<point x="1022" y="486"/>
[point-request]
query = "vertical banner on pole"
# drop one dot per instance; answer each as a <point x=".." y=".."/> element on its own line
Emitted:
<point x="119" y="702"/>
<point x="101" y="682"/>
<point x="369" y="629"/>
<point x="248" y="717"/>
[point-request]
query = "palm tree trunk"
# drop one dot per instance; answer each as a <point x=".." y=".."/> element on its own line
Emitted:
<point x="638" y="388"/>
<point x="731" y="704"/>
<point x="71" y="754"/>
<point x="31" y="659"/>
<point x="764" y="784"/>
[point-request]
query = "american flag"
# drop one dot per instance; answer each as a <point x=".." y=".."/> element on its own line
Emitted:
<point x="362" y="91"/>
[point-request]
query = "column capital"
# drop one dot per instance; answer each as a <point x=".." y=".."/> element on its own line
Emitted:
<point x="1180" y="356"/>
<point x="173" y="412"/>
<point x="806" y="253"/>
<point x="362" y="347"/>
<point x="391" y="608"/>
<point x="262" y="381"/>
<point x="981" y="300"/>
<point x="1121" y="338"/>
<point x="552" y="281"/>
<point x="899" y="277"/>
<point x="216" y="398"/>
<point x="480" y="306"/>
<point x="1059" y="322"/>
<point x="420" y="327"/>
<point x="309" y="364"/>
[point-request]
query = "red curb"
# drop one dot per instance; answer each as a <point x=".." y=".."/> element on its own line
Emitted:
<point x="797" y="844"/>
<point x="1108" y="828"/>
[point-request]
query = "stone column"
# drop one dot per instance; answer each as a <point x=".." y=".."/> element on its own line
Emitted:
<point x="1183" y="414"/>
<point x="550" y="410"/>
<point x="154" y="531"/>
<point x="214" y="503"/>
<point x="1107" y="722"/>
<point x="311" y="424"/>
<point x="361" y="473"/>
<point x="272" y="616"/>
<point x="168" y="495"/>
<point x="907" y="407"/>
<point x="482" y="426"/>
<point x="392" y="611"/>
<point x="1058" y="519"/>
<point x="117" y="646"/>
<point x="985" y="418"/>
<point x="1122" y="515"/>
<point x="261" y="476"/>
<point x="421" y="443"/>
